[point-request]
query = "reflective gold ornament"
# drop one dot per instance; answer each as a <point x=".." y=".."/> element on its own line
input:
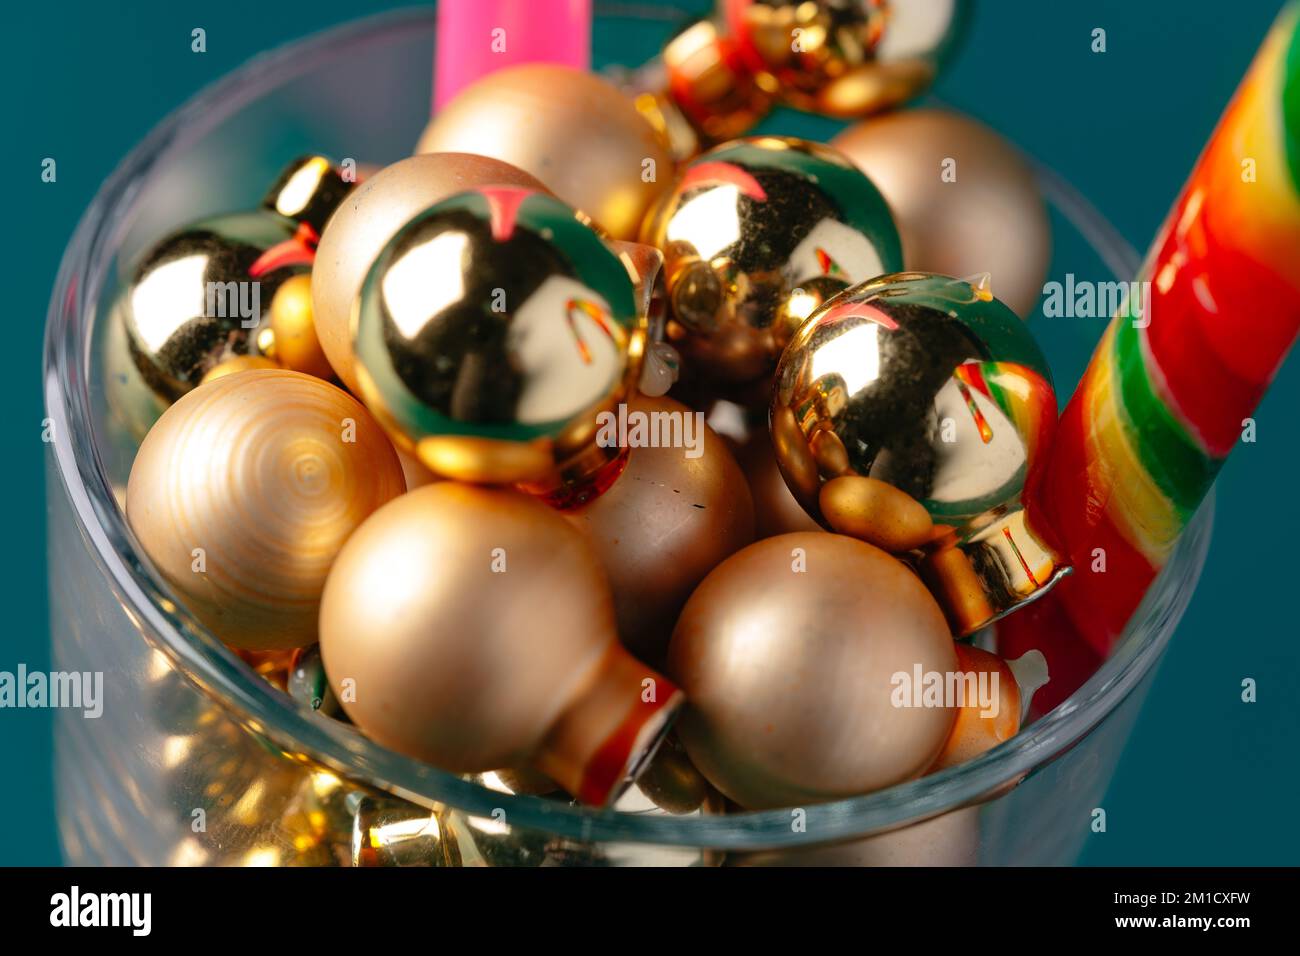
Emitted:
<point x="379" y="207"/>
<point x="416" y="474"/>
<point x="787" y="654"/>
<point x="932" y="387"/>
<point x="700" y="92"/>
<point x="272" y="666"/>
<point x="473" y="629"/>
<point x="308" y="191"/>
<point x="965" y="200"/>
<point x="756" y="235"/>
<point x="244" y="491"/>
<point x="491" y="331"/>
<point x="575" y="132"/>
<point x="844" y="58"/>
<point x="202" y="295"/>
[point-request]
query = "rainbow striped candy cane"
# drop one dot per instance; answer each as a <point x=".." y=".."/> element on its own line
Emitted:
<point x="1165" y="396"/>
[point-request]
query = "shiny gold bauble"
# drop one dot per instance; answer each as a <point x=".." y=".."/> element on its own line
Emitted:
<point x="244" y="491"/>
<point x="756" y="234"/>
<point x="308" y="191"/>
<point x="491" y="332"/>
<point x="707" y="94"/>
<point x="965" y="200"/>
<point x="787" y="653"/>
<point x="575" y="132"/>
<point x="373" y="211"/>
<point x="665" y="523"/>
<point x="200" y="296"/>
<point x="844" y="57"/>
<point x="473" y="628"/>
<point x="919" y="409"/>
<point x="293" y="341"/>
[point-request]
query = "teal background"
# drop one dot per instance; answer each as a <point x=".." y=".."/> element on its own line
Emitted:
<point x="1206" y="779"/>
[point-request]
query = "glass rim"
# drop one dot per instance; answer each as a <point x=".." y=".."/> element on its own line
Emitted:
<point x="302" y="734"/>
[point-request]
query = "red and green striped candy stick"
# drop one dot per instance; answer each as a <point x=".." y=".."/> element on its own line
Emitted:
<point x="1166" y="396"/>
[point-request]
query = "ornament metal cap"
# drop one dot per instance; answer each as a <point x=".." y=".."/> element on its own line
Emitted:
<point x="602" y="743"/>
<point x="982" y="576"/>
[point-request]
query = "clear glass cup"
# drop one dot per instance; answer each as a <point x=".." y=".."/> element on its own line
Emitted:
<point x="198" y="759"/>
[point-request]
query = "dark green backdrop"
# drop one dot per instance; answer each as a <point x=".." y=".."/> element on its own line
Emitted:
<point x="1205" y="780"/>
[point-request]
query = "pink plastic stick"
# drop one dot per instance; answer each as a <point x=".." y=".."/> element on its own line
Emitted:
<point x="476" y="37"/>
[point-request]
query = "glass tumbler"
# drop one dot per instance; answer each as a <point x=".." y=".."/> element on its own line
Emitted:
<point x="197" y="759"/>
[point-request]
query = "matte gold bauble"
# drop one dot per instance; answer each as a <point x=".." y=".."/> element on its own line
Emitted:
<point x="473" y="629"/>
<point x="574" y="131"/>
<point x="360" y="227"/>
<point x="788" y="654"/>
<point x="244" y="491"/>
<point x="964" y="199"/>
<point x="293" y="341"/>
<point x="665" y="523"/>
